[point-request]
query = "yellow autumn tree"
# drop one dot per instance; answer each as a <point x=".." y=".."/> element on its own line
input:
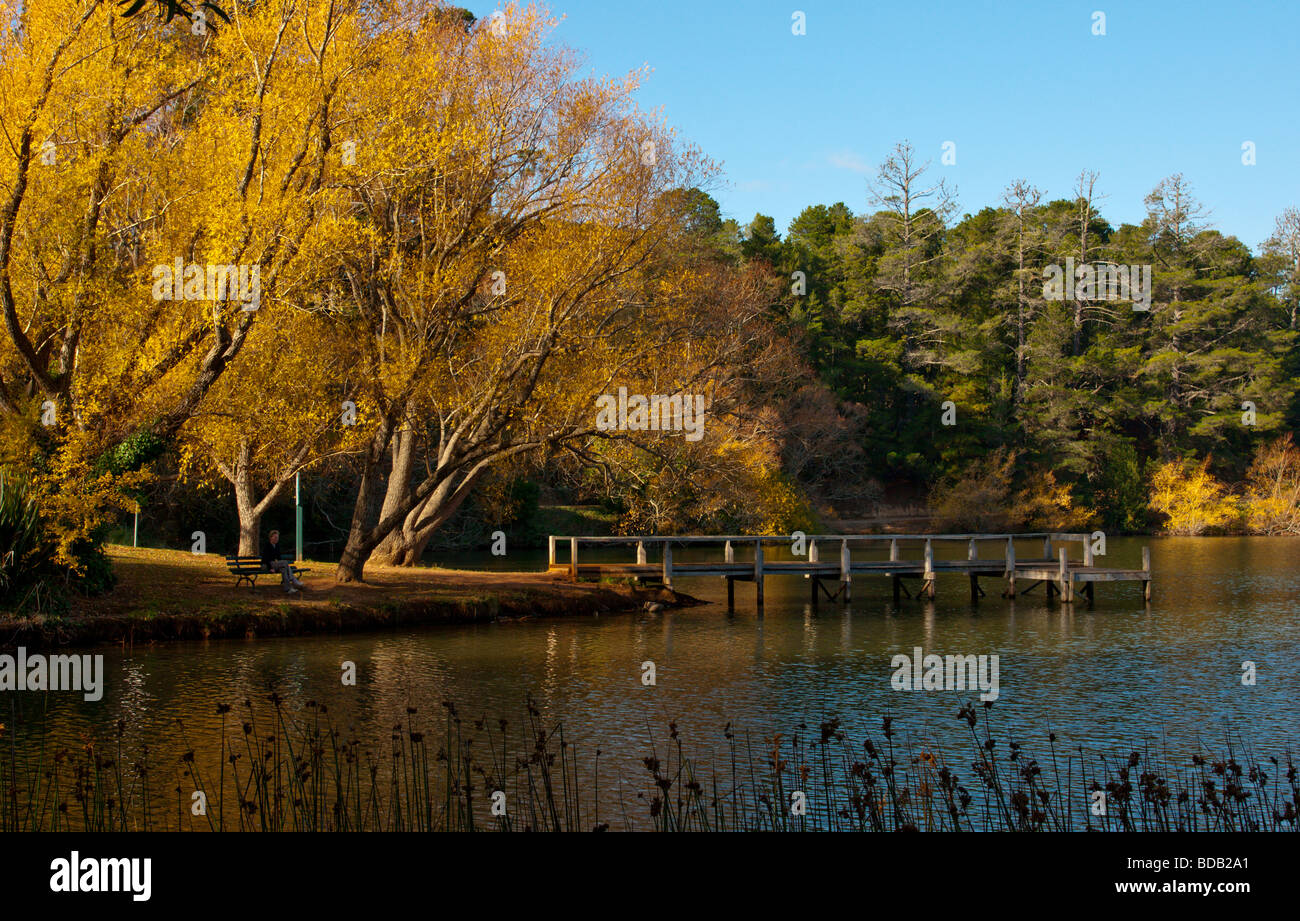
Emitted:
<point x="1272" y="494"/>
<point x="505" y="218"/>
<point x="284" y="407"/>
<point x="139" y="150"/>
<point x="984" y="497"/>
<point x="1191" y="499"/>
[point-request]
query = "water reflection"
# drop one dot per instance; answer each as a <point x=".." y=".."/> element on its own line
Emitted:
<point x="1115" y="676"/>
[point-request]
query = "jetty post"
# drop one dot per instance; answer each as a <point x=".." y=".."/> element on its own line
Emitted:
<point x="730" y="557"/>
<point x="846" y="572"/>
<point x="1067" y="583"/>
<point x="895" y="578"/>
<point x="928" y="575"/>
<point x="972" y="553"/>
<point x="813" y="561"/>
<point x="1010" y="571"/>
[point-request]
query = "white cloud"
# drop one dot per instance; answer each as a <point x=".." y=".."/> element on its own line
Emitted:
<point x="847" y="159"/>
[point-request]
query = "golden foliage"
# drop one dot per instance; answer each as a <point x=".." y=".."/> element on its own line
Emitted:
<point x="76" y="501"/>
<point x="1272" y="493"/>
<point x="1191" y="500"/>
<point x="983" y="497"/>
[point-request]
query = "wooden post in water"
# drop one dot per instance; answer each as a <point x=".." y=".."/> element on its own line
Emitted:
<point x="731" y="580"/>
<point x="846" y="572"/>
<point x="758" y="572"/>
<point x="1011" y="568"/>
<point x="1089" y="589"/>
<point x="573" y="558"/>
<point x="930" y="588"/>
<point x="895" y="578"/>
<point x="1146" y="568"/>
<point x="812" y="558"/>
<point x="972" y="553"/>
<point x="550" y="540"/>
<point x="1067" y="584"/>
<point x="668" y="564"/>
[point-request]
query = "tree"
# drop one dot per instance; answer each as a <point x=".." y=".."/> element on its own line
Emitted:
<point x="1281" y="260"/>
<point x="501" y="261"/>
<point x="1272" y="499"/>
<point x="914" y="216"/>
<point x="1021" y="199"/>
<point x="279" y="411"/>
<point x="140" y="148"/>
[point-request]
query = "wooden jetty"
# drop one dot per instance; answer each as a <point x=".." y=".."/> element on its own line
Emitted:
<point x="911" y="557"/>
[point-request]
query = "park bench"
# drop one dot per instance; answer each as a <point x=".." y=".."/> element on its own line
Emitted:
<point x="248" y="568"/>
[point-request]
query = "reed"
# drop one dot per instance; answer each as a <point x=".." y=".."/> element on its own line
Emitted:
<point x="279" y="769"/>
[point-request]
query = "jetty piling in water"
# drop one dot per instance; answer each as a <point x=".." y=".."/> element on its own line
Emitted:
<point x="1056" y="571"/>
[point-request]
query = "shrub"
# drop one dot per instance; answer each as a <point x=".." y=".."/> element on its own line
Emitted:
<point x="1272" y="499"/>
<point x="26" y="552"/>
<point x="983" y="497"/>
<point x="1191" y="499"/>
<point x="1118" y="492"/>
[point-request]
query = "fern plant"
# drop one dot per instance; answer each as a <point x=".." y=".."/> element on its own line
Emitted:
<point x="26" y="555"/>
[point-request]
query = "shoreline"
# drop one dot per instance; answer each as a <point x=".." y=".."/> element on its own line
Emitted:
<point x="166" y="596"/>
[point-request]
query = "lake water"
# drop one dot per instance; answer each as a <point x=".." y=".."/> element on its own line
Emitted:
<point x="1115" y="676"/>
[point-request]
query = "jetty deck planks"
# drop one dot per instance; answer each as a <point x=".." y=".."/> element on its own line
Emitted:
<point x="910" y="556"/>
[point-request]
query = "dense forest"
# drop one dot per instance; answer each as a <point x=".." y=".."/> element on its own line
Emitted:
<point x="397" y="258"/>
<point x="903" y="307"/>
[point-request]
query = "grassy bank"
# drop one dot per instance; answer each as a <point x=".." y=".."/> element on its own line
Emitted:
<point x="173" y="595"/>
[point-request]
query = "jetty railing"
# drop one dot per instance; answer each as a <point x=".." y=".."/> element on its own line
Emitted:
<point x="1055" y="569"/>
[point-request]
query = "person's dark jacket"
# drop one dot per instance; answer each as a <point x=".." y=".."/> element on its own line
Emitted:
<point x="270" y="554"/>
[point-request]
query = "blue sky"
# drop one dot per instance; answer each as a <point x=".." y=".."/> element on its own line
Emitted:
<point x="1024" y="90"/>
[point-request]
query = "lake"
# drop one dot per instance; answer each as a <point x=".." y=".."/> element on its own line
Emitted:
<point x="1115" y="676"/>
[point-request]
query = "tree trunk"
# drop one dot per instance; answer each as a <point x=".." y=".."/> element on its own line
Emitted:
<point x="250" y="512"/>
<point x="411" y="540"/>
<point x="405" y="546"/>
<point x="352" y="564"/>
<point x="250" y="534"/>
<point x="246" y="503"/>
<point x="361" y="541"/>
<point x="400" y="548"/>
<point x="392" y="550"/>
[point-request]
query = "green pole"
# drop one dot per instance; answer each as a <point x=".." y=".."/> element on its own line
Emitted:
<point x="297" y="503"/>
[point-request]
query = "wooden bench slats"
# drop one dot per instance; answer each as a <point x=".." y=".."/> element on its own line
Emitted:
<point x="248" y="568"/>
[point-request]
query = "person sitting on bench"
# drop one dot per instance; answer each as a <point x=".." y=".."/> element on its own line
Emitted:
<point x="272" y="563"/>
